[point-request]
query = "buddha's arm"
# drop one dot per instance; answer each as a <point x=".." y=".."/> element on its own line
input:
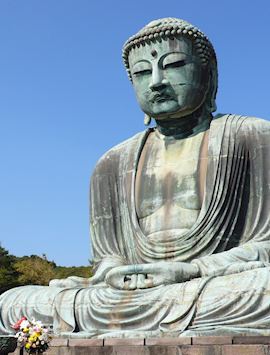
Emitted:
<point x="245" y="257"/>
<point x="251" y="254"/>
<point x="254" y="135"/>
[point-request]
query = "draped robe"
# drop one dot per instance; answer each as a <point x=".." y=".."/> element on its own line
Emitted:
<point x="231" y="234"/>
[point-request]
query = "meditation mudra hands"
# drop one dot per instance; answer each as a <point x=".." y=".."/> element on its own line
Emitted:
<point x="131" y="277"/>
<point x="140" y="276"/>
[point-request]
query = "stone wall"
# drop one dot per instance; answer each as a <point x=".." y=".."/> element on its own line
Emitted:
<point x="161" y="346"/>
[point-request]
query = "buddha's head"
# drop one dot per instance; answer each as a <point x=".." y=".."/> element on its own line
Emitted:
<point x="173" y="68"/>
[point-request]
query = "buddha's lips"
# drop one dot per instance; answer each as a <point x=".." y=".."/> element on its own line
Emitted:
<point x="160" y="97"/>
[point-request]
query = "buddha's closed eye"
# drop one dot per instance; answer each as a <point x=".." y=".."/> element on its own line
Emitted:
<point x="178" y="64"/>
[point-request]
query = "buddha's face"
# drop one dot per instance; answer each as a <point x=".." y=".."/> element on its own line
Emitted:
<point x="168" y="78"/>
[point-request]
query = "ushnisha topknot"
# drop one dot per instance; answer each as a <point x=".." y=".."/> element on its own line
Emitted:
<point x="170" y="27"/>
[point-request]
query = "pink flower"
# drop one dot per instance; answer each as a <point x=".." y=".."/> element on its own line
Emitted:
<point x="17" y="325"/>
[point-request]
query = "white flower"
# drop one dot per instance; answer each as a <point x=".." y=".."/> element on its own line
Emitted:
<point x="32" y="326"/>
<point x="37" y="323"/>
<point x="24" y="324"/>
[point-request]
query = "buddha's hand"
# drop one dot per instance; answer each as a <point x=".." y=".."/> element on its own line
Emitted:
<point x="141" y="276"/>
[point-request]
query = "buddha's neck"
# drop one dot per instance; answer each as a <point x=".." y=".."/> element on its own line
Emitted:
<point x="186" y="126"/>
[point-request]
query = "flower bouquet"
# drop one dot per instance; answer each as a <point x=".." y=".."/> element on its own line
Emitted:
<point x="32" y="335"/>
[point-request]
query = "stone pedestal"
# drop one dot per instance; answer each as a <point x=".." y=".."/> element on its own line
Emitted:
<point x="223" y="345"/>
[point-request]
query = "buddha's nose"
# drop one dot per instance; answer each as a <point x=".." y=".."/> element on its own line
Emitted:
<point x="157" y="81"/>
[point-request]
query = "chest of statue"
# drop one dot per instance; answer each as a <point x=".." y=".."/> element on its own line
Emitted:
<point x="167" y="182"/>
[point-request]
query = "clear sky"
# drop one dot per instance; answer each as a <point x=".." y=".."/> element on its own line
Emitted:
<point x="65" y="99"/>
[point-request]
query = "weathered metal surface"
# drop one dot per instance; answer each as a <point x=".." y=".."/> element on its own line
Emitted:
<point x="180" y="221"/>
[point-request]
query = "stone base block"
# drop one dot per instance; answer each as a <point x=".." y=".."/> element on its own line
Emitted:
<point x="161" y="346"/>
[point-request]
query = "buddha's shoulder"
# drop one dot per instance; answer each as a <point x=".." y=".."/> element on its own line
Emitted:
<point x="113" y="155"/>
<point x="241" y="123"/>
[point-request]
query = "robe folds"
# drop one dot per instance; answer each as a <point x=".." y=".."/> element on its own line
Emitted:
<point x="230" y="244"/>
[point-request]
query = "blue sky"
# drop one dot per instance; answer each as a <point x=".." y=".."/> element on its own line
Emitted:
<point x="65" y="99"/>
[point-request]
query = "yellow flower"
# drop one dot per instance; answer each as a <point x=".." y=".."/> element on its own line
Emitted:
<point x="27" y="346"/>
<point x="25" y="330"/>
<point x="32" y="338"/>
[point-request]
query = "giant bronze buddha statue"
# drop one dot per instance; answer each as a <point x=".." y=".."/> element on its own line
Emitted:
<point x="180" y="220"/>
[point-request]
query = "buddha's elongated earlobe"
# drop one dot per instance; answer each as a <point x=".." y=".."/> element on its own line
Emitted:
<point x="212" y="91"/>
<point x="147" y="120"/>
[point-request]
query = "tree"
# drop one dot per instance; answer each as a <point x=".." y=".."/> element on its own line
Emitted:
<point x="8" y="274"/>
<point x="34" y="270"/>
<point x="62" y="272"/>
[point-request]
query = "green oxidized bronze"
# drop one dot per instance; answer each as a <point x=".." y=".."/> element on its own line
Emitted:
<point x="180" y="223"/>
<point x="170" y="28"/>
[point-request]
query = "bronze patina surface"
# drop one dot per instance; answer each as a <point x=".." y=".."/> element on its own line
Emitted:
<point x="180" y="221"/>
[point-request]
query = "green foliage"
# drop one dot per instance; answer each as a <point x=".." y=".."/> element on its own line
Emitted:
<point x="33" y="270"/>
<point x="8" y="274"/>
<point x="62" y="272"/>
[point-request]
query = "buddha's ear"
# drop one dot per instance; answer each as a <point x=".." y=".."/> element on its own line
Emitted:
<point x="213" y="86"/>
<point x="147" y="120"/>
